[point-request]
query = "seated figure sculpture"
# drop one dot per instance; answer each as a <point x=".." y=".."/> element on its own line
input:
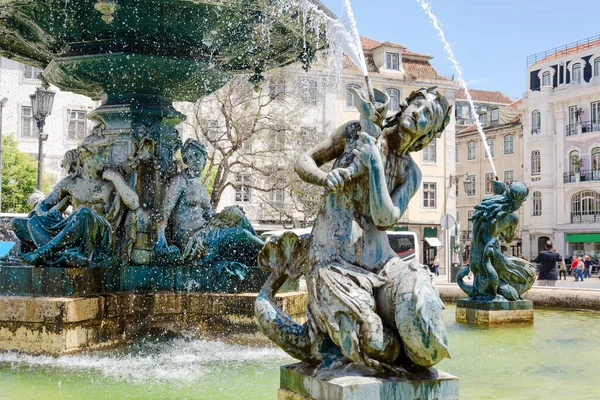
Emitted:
<point x="96" y="192"/>
<point x="197" y="234"/>
<point x="366" y="305"/>
<point x="497" y="277"/>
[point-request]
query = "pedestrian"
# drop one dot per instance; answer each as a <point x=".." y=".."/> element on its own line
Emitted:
<point x="547" y="259"/>
<point x="562" y="271"/>
<point x="436" y="265"/>
<point x="579" y="269"/>
<point x="569" y="261"/>
<point x="587" y="272"/>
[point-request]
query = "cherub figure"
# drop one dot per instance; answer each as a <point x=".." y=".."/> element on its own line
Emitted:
<point x="376" y="309"/>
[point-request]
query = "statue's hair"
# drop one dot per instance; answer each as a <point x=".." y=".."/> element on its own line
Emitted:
<point x="192" y="144"/>
<point x="443" y="111"/>
<point x="72" y="162"/>
<point x="35" y="198"/>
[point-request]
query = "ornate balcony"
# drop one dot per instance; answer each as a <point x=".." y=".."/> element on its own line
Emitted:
<point x="588" y="217"/>
<point x="582" y="127"/>
<point x="585" y="175"/>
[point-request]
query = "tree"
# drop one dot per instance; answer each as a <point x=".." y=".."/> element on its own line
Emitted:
<point x="252" y="136"/>
<point x="19" y="177"/>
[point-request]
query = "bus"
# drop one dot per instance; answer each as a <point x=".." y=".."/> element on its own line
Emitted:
<point x="405" y="244"/>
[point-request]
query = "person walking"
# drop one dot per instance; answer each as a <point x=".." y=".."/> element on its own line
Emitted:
<point x="587" y="272"/>
<point x="436" y="265"/>
<point x="547" y="259"/>
<point x="562" y="271"/>
<point x="579" y="269"/>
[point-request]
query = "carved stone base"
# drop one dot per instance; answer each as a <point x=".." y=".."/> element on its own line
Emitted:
<point x="301" y="382"/>
<point x="58" y="325"/>
<point x="494" y="312"/>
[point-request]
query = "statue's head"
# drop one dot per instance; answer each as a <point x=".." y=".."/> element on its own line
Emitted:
<point x="517" y="192"/>
<point x="35" y="198"/>
<point x="194" y="155"/>
<point x="423" y="118"/>
<point x="71" y="162"/>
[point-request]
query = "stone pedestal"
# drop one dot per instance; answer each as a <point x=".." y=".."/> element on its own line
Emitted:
<point x="301" y="382"/>
<point x="61" y="325"/>
<point x="494" y="312"/>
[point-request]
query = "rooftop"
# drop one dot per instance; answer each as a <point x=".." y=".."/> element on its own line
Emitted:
<point x="484" y="96"/>
<point x="570" y="48"/>
<point x="371" y="44"/>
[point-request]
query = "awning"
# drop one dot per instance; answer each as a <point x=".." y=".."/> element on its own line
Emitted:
<point x="433" y="241"/>
<point x="583" y="237"/>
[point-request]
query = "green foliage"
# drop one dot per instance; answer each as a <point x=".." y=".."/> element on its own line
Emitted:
<point x="208" y="179"/>
<point x="19" y="177"/>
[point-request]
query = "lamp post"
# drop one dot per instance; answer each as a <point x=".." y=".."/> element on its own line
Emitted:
<point x="41" y="105"/>
<point x="2" y="103"/>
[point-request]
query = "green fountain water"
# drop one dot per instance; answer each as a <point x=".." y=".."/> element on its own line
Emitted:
<point x="556" y="358"/>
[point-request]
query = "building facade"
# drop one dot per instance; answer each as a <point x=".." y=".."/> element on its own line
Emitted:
<point x="487" y="105"/>
<point x="561" y="155"/>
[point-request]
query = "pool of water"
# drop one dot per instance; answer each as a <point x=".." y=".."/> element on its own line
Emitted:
<point x="556" y="358"/>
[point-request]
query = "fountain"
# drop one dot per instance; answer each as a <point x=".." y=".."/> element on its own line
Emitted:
<point x="142" y="230"/>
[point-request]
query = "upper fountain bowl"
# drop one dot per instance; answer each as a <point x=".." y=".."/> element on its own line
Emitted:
<point x="180" y="49"/>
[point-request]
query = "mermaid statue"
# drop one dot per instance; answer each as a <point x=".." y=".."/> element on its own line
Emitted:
<point x="496" y="276"/>
<point x="366" y="306"/>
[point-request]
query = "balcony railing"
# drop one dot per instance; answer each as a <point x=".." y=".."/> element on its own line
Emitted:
<point x="557" y="52"/>
<point x="585" y="175"/>
<point x="589" y="217"/>
<point x="582" y="127"/>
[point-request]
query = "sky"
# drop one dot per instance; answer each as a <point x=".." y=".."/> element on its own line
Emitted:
<point x="491" y="39"/>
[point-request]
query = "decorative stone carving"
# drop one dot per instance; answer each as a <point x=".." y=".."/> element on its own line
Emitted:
<point x="496" y="276"/>
<point x="365" y="305"/>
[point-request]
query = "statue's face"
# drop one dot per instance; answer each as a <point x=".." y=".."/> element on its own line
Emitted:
<point x="416" y="122"/>
<point x="195" y="160"/>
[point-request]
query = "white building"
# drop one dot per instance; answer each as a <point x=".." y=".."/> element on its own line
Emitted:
<point x="66" y="125"/>
<point x="561" y="155"/>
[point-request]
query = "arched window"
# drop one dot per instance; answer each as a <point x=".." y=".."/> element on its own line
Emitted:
<point x="585" y="206"/>
<point x="574" y="161"/>
<point x="491" y="144"/>
<point x="350" y="95"/>
<point x="536" y="121"/>
<point x="509" y="141"/>
<point x="576" y="72"/>
<point x="536" y="163"/>
<point x="537" y="204"/>
<point x="394" y="105"/>
<point x="596" y="159"/>
<point x="546" y="79"/>
<point x="471" y="150"/>
<point x="597" y="66"/>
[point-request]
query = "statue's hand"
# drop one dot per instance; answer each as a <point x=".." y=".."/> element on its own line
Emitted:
<point x="194" y="248"/>
<point x="365" y="148"/>
<point x="337" y="178"/>
<point x="110" y="174"/>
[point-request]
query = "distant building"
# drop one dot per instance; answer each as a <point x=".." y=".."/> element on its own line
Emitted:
<point x="474" y="172"/>
<point x="561" y="155"/>
<point x="66" y="126"/>
<point x="487" y="104"/>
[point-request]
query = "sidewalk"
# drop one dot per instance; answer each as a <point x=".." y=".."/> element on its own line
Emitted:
<point x="588" y="283"/>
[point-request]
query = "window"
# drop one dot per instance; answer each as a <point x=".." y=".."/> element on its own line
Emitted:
<point x="210" y="128"/>
<point x="573" y="161"/>
<point x="276" y="197"/>
<point x="596" y="159"/>
<point x="586" y="203"/>
<point x="242" y="188"/>
<point x="509" y="177"/>
<point x="30" y="72"/>
<point x="483" y="119"/>
<point x="576" y="73"/>
<point x="495" y="114"/>
<point x="29" y="127"/>
<point x="456" y="147"/>
<point x="308" y="89"/>
<point x="491" y="145"/>
<point x="392" y="61"/>
<point x="429" y="152"/>
<point x="77" y="124"/>
<point x="536" y="121"/>
<point x="470" y="224"/>
<point x="546" y="79"/>
<point x="247" y="146"/>
<point x="279" y="135"/>
<point x="509" y="144"/>
<point x="470" y="185"/>
<point x="537" y="204"/>
<point x="595" y="108"/>
<point x="462" y="111"/>
<point x="536" y="163"/>
<point x="597" y="66"/>
<point x="394" y="105"/>
<point x="349" y="95"/>
<point x="573" y="119"/>
<point x="429" y="195"/>
<point x="277" y="88"/>
<point x="489" y="177"/>
<point x="471" y="150"/>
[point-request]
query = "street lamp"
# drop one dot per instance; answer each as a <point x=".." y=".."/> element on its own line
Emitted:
<point x="41" y="105"/>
